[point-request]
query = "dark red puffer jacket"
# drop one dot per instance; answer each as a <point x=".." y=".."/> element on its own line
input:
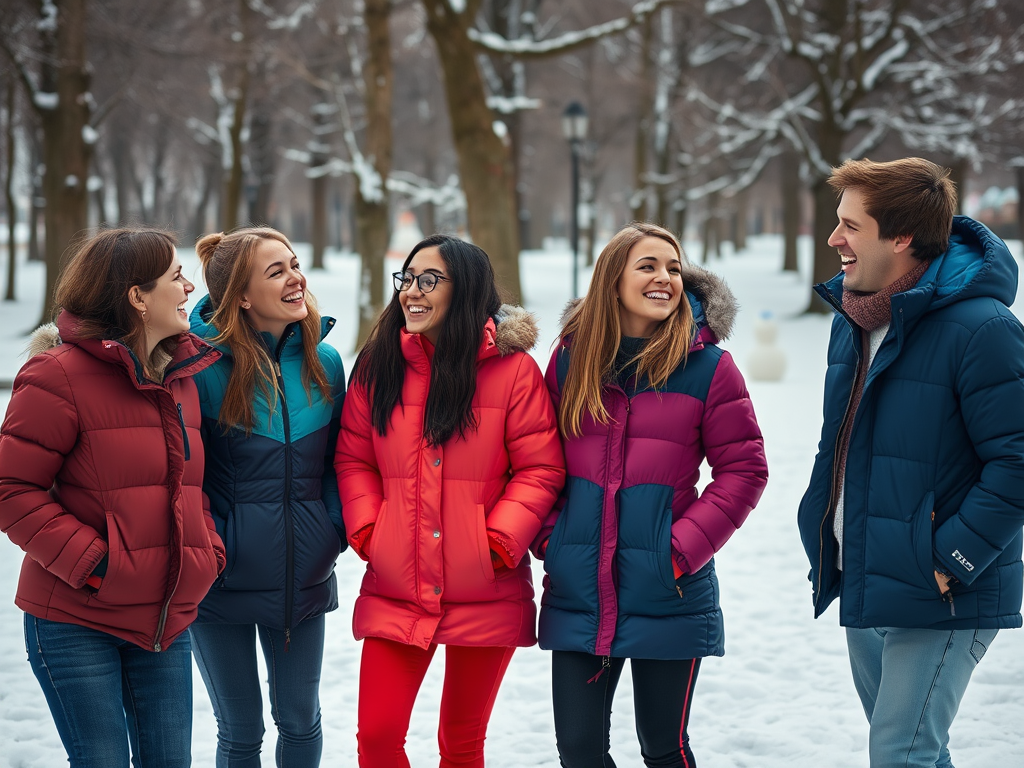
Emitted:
<point x="95" y="460"/>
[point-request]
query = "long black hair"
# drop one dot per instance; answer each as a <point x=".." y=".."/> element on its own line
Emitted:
<point x="380" y="366"/>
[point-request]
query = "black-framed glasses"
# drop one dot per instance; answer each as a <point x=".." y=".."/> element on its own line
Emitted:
<point x="426" y="281"/>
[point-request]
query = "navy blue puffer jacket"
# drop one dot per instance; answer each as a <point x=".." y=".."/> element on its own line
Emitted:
<point x="274" y="494"/>
<point x="935" y="472"/>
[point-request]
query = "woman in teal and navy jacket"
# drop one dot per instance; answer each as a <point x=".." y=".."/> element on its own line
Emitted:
<point x="271" y="408"/>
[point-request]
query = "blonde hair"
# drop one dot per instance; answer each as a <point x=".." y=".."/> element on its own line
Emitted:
<point x="595" y="334"/>
<point x="227" y="261"/>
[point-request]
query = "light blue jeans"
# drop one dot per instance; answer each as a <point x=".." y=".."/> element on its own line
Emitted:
<point x="910" y="682"/>
<point x="226" y="656"/>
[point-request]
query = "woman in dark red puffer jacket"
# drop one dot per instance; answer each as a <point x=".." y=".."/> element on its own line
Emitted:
<point x="101" y="471"/>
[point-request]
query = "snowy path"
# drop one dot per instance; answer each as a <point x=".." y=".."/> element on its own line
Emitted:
<point x="782" y="697"/>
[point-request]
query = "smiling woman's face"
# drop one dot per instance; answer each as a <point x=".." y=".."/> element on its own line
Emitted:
<point x="276" y="292"/>
<point x="424" y="312"/>
<point x="650" y="287"/>
<point x="165" y="305"/>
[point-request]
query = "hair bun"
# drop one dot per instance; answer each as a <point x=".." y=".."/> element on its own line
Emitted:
<point x="206" y="246"/>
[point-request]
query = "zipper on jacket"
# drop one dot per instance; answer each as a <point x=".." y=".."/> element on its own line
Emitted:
<point x="289" y="534"/>
<point x="160" y="625"/>
<point x="184" y="434"/>
<point x="948" y="598"/>
<point x="606" y="663"/>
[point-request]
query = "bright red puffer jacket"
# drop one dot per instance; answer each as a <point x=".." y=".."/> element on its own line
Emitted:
<point x="434" y="508"/>
<point x="95" y="460"/>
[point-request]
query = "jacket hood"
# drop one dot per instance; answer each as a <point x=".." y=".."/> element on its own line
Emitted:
<point x="201" y="325"/>
<point x="515" y="330"/>
<point x="976" y="264"/>
<point x="713" y="303"/>
<point x="191" y="354"/>
<point x="43" y="338"/>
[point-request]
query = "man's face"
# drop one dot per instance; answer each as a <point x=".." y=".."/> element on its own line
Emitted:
<point x="869" y="263"/>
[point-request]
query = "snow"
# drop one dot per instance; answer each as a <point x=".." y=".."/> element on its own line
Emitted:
<point x="45" y="100"/>
<point x="89" y="134"/>
<point x="781" y="697"/>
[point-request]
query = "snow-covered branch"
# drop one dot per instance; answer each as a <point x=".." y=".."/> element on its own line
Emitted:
<point x="528" y="47"/>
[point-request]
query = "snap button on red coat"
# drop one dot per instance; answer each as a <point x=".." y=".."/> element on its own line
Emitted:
<point x="437" y="534"/>
<point x="437" y="590"/>
<point x="437" y="462"/>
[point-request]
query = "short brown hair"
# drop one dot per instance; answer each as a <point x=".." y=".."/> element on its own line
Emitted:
<point x="911" y="196"/>
<point x="94" y="284"/>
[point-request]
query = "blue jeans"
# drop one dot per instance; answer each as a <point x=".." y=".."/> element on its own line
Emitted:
<point x="105" y="693"/>
<point x="910" y="682"/>
<point x="226" y="655"/>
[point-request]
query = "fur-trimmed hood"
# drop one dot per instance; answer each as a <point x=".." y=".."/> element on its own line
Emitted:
<point x="515" y="330"/>
<point x="43" y="338"/>
<point x="714" y="305"/>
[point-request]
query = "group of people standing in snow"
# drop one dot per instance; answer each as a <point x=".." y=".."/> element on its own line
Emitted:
<point x="183" y="486"/>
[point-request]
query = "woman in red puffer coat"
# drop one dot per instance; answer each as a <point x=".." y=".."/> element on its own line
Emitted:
<point x="448" y="462"/>
<point x="101" y="471"/>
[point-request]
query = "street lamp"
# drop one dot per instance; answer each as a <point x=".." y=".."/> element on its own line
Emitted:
<point x="574" y="128"/>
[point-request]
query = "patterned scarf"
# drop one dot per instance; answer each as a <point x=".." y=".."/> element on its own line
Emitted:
<point x="873" y="310"/>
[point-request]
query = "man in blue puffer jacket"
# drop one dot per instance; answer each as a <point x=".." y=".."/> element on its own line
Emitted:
<point x="915" y="507"/>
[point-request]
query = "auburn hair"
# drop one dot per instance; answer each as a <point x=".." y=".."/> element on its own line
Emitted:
<point x="911" y="196"/>
<point x="94" y="284"/>
<point x="227" y="261"/>
<point x="594" y="333"/>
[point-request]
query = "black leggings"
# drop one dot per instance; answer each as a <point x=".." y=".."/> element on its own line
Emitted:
<point x="662" y="691"/>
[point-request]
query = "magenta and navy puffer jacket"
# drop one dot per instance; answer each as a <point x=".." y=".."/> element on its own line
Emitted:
<point x="630" y="505"/>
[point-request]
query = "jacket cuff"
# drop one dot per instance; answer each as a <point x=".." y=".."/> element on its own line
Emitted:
<point x="679" y="565"/>
<point x="360" y="539"/>
<point x="500" y="547"/>
<point x="92" y="557"/>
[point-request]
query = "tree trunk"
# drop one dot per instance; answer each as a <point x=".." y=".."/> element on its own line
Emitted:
<point x="739" y="228"/>
<point x="372" y="230"/>
<point x="711" y="229"/>
<point x="826" y="262"/>
<point x="233" y="181"/>
<point x="485" y="166"/>
<point x="318" y="187"/>
<point x="211" y="177"/>
<point x="790" y="172"/>
<point x="65" y="152"/>
<point x="12" y="213"/>
<point x="645" y="110"/>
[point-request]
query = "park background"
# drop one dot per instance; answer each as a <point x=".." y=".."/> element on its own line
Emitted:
<point x="536" y="128"/>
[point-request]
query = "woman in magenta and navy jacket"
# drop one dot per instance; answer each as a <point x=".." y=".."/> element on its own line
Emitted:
<point x="643" y="395"/>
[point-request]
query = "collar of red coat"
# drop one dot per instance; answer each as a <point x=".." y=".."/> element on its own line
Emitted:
<point x="190" y="356"/>
<point x="414" y="346"/>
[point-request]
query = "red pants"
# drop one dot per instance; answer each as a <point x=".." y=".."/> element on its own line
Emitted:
<point x="390" y="676"/>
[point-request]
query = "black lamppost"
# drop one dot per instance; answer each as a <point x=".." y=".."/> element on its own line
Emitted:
<point x="574" y="128"/>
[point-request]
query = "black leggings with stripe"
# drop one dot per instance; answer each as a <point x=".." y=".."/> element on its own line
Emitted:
<point x="582" y="693"/>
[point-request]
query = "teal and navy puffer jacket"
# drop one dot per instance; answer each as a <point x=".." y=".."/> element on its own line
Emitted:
<point x="935" y="470"/>
<point x="273" y="494"/>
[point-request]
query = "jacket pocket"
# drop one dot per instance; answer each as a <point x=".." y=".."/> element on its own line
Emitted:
<point x="483" y="544"/>
<point x="923" y="537"/>
<point x="136" y="578"/>
<point x="378" y="531"/>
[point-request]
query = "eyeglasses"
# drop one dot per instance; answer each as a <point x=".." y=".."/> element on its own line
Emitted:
<point x="426" y="281"/>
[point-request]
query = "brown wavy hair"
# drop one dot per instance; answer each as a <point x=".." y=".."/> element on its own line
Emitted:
<point x="94" y="284"/>
<point x="595" y="334"/>
<point x="227" y="261"/>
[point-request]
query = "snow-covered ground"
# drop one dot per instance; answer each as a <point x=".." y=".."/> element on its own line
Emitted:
<point x="781" y="697"/>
